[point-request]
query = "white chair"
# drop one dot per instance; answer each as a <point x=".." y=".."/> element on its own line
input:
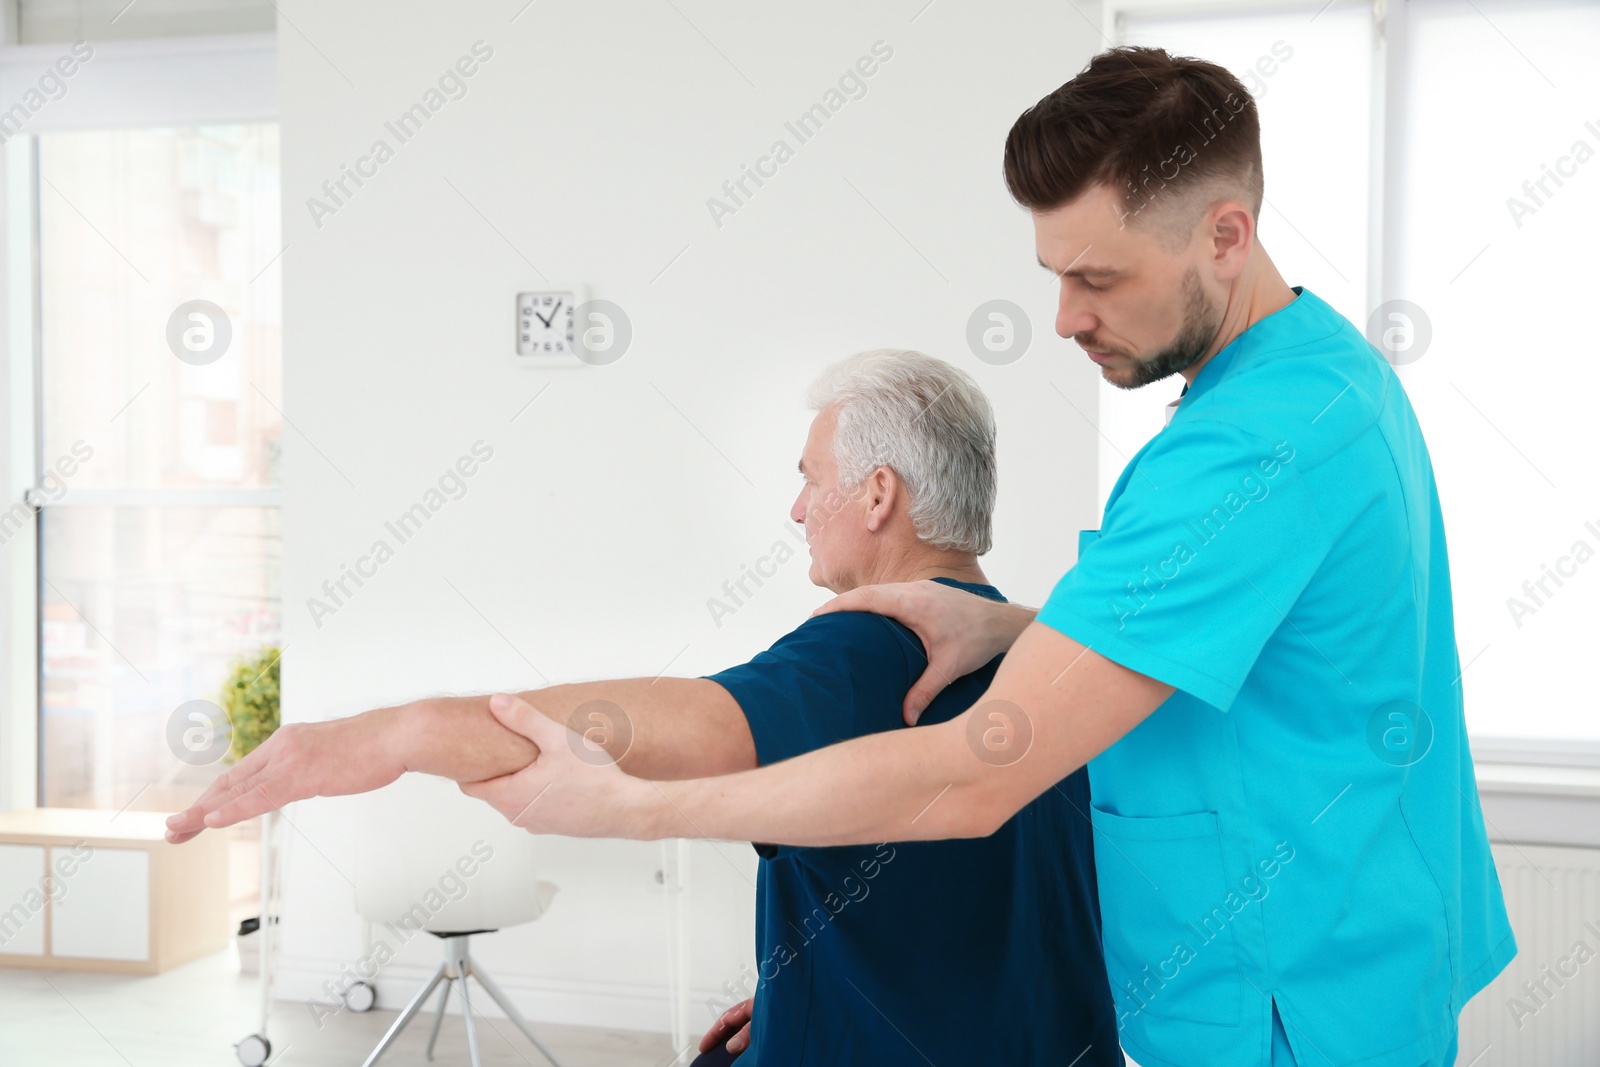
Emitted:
<point x="433" y="860"/>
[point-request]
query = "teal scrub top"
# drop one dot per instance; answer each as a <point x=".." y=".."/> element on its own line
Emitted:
<point x="1299" y="822"/>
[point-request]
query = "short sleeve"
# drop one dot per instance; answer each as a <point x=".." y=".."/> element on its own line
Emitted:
<point x="1215" y="534"/>
<point x="838" y="676"/>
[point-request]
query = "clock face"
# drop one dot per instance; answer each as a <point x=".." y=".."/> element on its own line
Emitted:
<point x="545" y="323"/>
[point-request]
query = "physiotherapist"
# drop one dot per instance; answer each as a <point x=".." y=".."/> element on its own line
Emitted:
<point x="1254" y="655"/>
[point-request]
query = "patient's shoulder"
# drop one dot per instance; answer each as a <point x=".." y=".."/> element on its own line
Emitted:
<point x="863" y="631"/>
<point x="861" y="640"/>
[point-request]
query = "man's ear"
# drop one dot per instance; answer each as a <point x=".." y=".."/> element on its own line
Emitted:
<point x="882" y="496"/>
<point x="1233" y="233"/>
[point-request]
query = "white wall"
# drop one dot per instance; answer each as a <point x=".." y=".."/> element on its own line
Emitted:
<point x="588" y="146"/>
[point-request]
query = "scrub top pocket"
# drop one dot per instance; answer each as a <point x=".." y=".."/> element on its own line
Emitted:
<point x="1167" y="926"/>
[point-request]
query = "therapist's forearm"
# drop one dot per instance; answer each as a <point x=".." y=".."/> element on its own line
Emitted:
<point x="904" y="785"/>
<point x="1053" y="706"/>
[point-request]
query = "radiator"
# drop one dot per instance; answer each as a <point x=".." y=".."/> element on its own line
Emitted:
<point x="1544" y="1009"/>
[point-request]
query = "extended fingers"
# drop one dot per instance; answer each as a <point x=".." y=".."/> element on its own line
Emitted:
<point x="227" y="787"/>
<point x="247" y="805"/>
<point x="241" y="787"/>
<point x="230" y="778"/>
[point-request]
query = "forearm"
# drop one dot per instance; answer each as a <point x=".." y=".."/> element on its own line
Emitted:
<point x="1052" y="707"/>
<point x="457" y="738"/>
<point x="904" y="785"/>
<point x="653" y="728"/>
<point x="1009" y="623"/>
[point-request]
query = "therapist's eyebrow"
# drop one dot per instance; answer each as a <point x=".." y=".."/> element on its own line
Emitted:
<point x="1077" y="272"/>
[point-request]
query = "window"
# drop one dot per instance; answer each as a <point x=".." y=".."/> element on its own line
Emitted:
<point x="160" y="529"/>
<point x="1481" y="179"/>
<point x="1315" y="208"/>
<point x="1504" y="391"/>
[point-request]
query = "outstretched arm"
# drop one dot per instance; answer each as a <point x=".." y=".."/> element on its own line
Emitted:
<point x="1052" y="707"/>
<point x="655" y="728"/>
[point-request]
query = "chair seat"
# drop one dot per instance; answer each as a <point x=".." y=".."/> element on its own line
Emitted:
<point x="432" y="859"/>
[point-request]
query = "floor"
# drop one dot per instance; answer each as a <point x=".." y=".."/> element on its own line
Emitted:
<point x="192" y="1016"/>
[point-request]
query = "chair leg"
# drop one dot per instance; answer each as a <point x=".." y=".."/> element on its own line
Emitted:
<point x="433" y="1035"/>
<point x="466" y="1017"/>
<point x="506" y="1006"/>
<point x="406" y="1015"/>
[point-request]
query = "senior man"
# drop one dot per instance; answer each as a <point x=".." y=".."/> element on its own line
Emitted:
<point x="976" y="951"/>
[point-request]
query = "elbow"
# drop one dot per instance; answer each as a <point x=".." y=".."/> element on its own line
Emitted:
<point x="981" y="798"/>
<point x="981" y="810"/>
<point x="995" y="814"/>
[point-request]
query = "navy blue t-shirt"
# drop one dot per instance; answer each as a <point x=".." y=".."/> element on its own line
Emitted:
<point x="951" y="952"/>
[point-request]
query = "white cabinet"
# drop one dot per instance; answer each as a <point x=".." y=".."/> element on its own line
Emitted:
<point x="22" y="897"/>
<point x="102" y="911"/>
<point x="104" y="891"/>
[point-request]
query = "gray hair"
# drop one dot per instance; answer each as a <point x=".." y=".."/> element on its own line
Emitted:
<point x="929" y="423"/>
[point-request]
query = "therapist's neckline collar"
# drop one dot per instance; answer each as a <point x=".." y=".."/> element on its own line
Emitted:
<point x="1217" y="365"/>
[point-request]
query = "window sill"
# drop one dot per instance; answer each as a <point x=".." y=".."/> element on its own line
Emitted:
<point x="1533" y="804"/>
<point x="1530" y="779"/>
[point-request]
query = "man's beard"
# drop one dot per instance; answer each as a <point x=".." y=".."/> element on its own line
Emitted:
<point x="1200" y="325"/>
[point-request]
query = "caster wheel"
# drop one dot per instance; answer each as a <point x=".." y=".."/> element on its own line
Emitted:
<point x="360" y="997"/>
<point x="253" y="1050"/>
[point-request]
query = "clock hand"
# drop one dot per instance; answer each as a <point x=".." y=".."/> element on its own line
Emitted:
<point x="544" y="320"/>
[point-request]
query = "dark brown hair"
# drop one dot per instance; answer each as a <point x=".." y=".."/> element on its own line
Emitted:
<point x="1153" y="126"/>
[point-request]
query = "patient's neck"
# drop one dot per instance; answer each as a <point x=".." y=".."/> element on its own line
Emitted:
<point x="920" y="562"/>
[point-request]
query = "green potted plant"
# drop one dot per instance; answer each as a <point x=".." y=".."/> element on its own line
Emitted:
<point x="250" y="698"/>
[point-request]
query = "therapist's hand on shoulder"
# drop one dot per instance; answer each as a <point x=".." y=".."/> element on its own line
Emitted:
<point x="571" y="788"/>
<point x="961" y="631"/>
<point x="299" y="761"/>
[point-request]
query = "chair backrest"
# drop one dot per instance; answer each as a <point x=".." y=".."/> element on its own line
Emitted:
<point x="428" y="857"/>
